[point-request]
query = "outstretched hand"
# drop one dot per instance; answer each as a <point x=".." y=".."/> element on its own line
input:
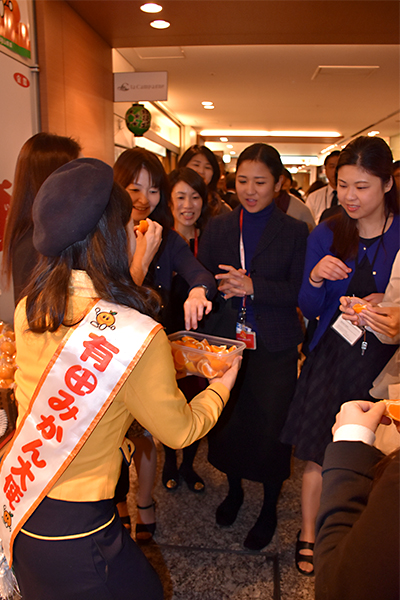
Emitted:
<point x="361" y="412"/>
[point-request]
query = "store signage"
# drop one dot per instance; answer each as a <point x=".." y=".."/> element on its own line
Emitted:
<point x="132" y="87"/>
<point x="14" y="34"/>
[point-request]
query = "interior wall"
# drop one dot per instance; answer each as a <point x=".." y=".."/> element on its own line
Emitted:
<point x="75" y="79"/>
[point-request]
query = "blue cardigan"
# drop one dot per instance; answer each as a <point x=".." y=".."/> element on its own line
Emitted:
<point x="324" y="301"/>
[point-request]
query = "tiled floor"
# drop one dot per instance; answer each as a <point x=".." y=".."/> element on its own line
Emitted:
<point x="196" y="560"/>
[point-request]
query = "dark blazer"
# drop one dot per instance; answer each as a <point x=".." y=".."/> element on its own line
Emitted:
<point x="176" y="257"/>
<point x="276" y="272"/>
<point x="357" y="549"/>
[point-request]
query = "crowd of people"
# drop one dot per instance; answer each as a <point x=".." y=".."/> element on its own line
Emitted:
<point x="96" y="295"/>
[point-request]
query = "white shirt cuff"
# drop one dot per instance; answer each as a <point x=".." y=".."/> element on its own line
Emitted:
<point x="354" y="433"/>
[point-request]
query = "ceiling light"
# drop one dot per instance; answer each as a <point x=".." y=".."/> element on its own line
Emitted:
<point x="232" y="152"/>
<point x="226" y="158"/>
<point x="258" y="133"/>
<point x="223" y="139"/>
<point x="229" y="146"/>
<point x="159" y="24"/>
<point x="209" y="107"/>
<point x="150" y="7"/>
<point x="372" y="133"/>
<point x="328" y="149"/>
<point x="207" y="103"/>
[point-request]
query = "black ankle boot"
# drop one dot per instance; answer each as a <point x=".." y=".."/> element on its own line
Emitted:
<point x="194" y="482"/>
<point x="228" y="510"/>
<point x="261" y="534"/>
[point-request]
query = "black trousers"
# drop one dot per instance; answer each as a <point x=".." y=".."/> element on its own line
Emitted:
<point x="107" y="565"/>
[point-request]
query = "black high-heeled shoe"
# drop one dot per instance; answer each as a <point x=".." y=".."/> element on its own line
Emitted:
<point x="194" y="482"/>
<point x="170" y="477"/>
<point x="145" y="531"/>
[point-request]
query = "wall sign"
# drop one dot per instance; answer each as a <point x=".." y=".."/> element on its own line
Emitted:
<point x="13" y="33"/>
<point x="131" y="87"/>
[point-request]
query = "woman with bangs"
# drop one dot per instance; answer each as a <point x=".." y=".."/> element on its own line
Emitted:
<point x="189" y="206"/>
<point x="351" y="254"/>
<point x="202" y="160"/>
<point x="160" y="252"/>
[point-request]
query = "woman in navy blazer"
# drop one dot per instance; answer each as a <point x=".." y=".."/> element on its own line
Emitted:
<point x="256" y="252"/>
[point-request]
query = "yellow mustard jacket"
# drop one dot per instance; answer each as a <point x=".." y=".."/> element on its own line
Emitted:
<point x="150" y="395"/>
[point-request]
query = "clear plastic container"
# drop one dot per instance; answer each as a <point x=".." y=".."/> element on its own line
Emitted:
<point x="211" y="360"/>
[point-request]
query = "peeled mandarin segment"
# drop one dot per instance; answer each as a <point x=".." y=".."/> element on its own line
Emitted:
<point x="216" y="363"/>
<point x="358" y="308"/>
<point x="143" y="226"/>
<point x="189" y="366"/>
<point x="393" y="409"/>
<point x="218" y="349"/>
<point x="192" y="357"/>
<point x="179" y="357"/>
<point x="205" y="368"/>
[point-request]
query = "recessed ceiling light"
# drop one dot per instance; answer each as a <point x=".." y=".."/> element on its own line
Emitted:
<point x="373" y="133"/>
<point x="232" y="152"/>
<point x="223" y="139"/>
<point x="229" y="146"/>
<point x="159" y="24"/>
<point x="151" y="7"/>
<point x="207" y="103"/>
<point x="209" y="107"/>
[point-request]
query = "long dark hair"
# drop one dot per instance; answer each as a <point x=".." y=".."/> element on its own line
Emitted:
<point x="126" y="171"/>
<point x="197" y="183"/>
<point x="265" y="154"/>
<point x="42" y="154"/>
<point x="214" y="200"/>
<point x="103" y="254"/>
<point x="374" y="156"/>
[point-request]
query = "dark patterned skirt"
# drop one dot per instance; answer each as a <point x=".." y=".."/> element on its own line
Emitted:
<point x="333" y="373"/>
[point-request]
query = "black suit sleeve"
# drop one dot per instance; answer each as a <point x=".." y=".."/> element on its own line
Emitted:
<point x="357" y="549"/>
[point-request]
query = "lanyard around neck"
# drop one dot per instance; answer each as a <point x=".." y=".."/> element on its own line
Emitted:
<point x="241" y="243"/>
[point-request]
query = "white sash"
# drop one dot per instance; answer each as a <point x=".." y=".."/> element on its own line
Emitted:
<point x="82" y="378"/>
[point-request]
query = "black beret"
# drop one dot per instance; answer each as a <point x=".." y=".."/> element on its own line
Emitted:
<point x="69" y="204"/>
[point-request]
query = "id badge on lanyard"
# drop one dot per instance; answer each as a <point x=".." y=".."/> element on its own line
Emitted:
<point x="244" y="332"/>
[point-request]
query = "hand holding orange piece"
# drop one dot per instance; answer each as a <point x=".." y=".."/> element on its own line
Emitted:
<point x="393" y="409"/>
<point x="143" y="226"/>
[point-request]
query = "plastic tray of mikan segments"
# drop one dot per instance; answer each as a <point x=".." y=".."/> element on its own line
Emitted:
<point x="202" y="354"/>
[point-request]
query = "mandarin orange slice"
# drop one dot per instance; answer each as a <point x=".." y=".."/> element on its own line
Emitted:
<point x="393" y="409"/>
<point x="358" y="308"/>
<point x="205" y="368"/>
<point x="179" y="357"/>
<point x="143" y="226"/>
<point x="218" y="349"/>
<point x="189" y="366"/>
<point x="216" y="363"/>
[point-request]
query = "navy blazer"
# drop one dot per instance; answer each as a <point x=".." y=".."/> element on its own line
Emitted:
<point x="276" y="272"/>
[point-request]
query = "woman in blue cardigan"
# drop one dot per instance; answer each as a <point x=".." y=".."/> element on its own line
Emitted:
<point x="350" y="254"/>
